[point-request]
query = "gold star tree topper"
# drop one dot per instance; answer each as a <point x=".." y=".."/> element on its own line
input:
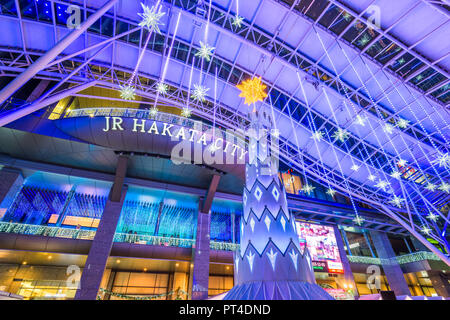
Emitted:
<point x="252" y="90"/>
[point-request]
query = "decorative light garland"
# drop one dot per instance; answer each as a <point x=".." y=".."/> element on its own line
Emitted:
<point x="178" y="292"/>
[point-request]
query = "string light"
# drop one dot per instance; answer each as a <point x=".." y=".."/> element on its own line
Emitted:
<point x="372" y="177"/>
<point x="331" y="192"/>
<point x="431" y="187"/>
<point x="355" y="167"/>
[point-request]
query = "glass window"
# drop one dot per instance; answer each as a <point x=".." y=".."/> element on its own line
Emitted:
<point x="378" y="47"/>
<point x="431" y="82"/>
<point x="44" y="10"/>
<point x="341" y="22"/>
<point x="358" y="244"/>
<point x="28" y="9"/>
<point x="107" y="26"/>
<point x="330" y="16"/>
<point x="316" y="9"/>
<point x="8" y="7"/>
<point x="388" y="54"/>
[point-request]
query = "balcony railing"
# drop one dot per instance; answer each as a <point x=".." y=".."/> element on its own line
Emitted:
<point x="68" y="233"/>
<point x="406" y="258"/>
<point x="57" y="232"/>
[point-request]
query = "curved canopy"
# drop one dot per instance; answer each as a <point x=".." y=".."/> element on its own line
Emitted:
<point x="358" y="90"/>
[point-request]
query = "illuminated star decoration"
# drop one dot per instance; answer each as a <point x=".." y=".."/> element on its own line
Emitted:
<point x="317" y="136"/>
<point x="340" y="134"/>
<point x="396" y="174"/>
<point x="431" y="187"/>
<point x="388" y="128"/>
<point x="445" y="187"/>
<point x="361" y="120"/>
<point x="162" y="88"/>
<point x="443" y="160"/>
<point x="402" y="162"/>
<point x="402" y="123"/>
<point x="252" y="90"/>
<point x="397" y="201"/>
<point x="426" y="230"/>
<point x="186" y="112"/>
<point x="358" y="220"/>
<point x="151" y="17"/>
<point x="432" y="216"/>
<point x="237" y="21"/>
<point x="199" y="93"/>
<point x="154" y="111"/>
<point x="372" y="177"/>
<point x="382" y="185"/>
<point x="127" y="92"/>
<point x="355" y="167"/>
<point x="307" y="188"/>
<point x="331" y="192"/>
<point x="205" y="51"/>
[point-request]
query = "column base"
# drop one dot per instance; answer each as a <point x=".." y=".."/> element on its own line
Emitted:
<point x="277" y="290"/>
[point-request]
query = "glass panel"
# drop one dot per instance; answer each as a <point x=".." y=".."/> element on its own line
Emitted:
<point x="44" y="10"/>
<point x="355" y="30"/>
<point x="378" y="47"/>
<point x="28" y="9"/>
<point x="8" y="7"/>
<point x="431" y="82"/>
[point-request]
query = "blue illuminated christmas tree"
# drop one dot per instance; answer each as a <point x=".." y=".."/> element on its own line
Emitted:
<point x="269" y="264"/>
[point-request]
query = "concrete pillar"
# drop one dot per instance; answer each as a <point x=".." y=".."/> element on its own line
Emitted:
<point x="200" y="253"/>
<point x="101" y="245"/>
<point x="11" y="180"/>
<point x="349" y="280"/>
<point x="392" y="270"/>
<point x="441" y="282"/>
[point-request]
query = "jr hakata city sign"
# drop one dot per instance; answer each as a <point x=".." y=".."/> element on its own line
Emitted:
<point x="212" y="137"/>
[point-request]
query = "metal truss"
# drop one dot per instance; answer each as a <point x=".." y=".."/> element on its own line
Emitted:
<point x="385" y="33"/>
<point x="374" y="150"/>
<point x="292" y="57"/>
<point x="62" y="68"/>
<point x="88" y="72"/>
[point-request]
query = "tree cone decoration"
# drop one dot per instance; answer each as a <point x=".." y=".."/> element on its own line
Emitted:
<point x="270" y="265"/>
